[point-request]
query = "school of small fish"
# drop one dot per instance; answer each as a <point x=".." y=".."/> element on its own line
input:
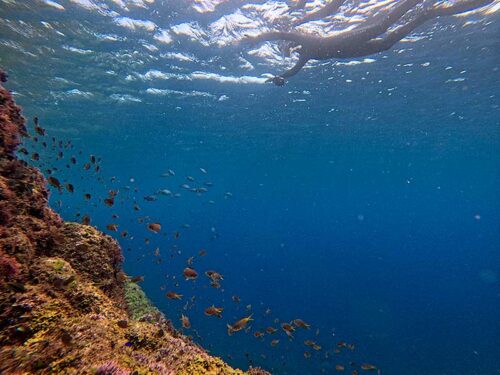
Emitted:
<point x="46" y="147"/>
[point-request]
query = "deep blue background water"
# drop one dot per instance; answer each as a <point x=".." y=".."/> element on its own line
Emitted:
<point x="377" y="222"/>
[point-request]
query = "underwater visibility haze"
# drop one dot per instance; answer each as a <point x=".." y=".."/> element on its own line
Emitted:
<point x="351" y="203"/>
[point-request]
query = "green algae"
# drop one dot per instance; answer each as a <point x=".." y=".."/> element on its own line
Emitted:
<point x="58" y="264"/>
<point x="138" y="304"/>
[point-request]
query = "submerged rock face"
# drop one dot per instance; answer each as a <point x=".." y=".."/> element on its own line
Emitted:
<point x="64" y="304"/>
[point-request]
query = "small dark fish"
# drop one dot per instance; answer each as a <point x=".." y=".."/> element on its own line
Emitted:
<point x="87" y="196"/>
<point x="185" y="321"/>
<point x="136" y="207"/>
<point x="35" y="156"/>
<point x="368" y="367"/>
<point x="287" y="327"/>
<point x="112" y="227"/>
<point x="92" y="159"/>
<point x="214" y="275"/>
<point x="70" y="188"/>
<point x="123" y="234"/>
<point x="38" y="129"/>
<point x="235" y="298"/>
<point x="258" y="334"/>
<point x="150" y="198"/>
<point x="73" y="160"/>
<point x="307" y="355"/>
<point x="137" y="279"/>
<point x="86" y="220"/>
<point x="301" y="324"/>
<point x="154" y="227"/>
<point x="54" y="182"/>
<point x="109" y="202"/>
<point x="202" y="253"/>
<point x="86" y="166"/>
<point x="190" y="274"/>
<point x="239" y="325"/>
<point x="173" y="295"/>
<point x="214" y="311"/>
<point x="177" y="235"/>
<point x="271" y="330"/>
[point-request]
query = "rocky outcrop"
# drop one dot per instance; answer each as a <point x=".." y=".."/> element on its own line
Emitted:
<point x="65" y="305"/>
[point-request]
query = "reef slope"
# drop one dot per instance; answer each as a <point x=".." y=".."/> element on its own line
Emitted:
<point x="65" y="305"/>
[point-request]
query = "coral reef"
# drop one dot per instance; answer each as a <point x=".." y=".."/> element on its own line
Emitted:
<point x="64" y="305"/>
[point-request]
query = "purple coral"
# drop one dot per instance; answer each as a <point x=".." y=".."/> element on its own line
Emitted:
<point x="111" y="368"/>
<point x="257" y="371"/>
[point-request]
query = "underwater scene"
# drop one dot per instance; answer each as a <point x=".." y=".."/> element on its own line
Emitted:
<point x="250" y="187"/>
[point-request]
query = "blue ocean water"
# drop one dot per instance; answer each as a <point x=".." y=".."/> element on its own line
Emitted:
<point x="363" y="199"/>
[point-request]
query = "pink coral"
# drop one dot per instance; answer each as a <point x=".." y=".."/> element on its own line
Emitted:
<point x="111" y="368"/>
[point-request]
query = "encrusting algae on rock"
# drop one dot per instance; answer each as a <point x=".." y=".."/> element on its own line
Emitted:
<point x="65" y="307"/>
